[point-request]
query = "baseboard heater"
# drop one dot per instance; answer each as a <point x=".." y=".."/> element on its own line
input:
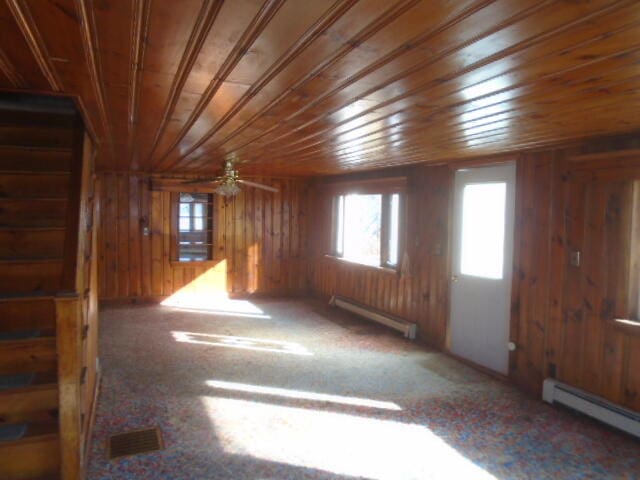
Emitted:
<point x="407" y="328"/>
<point x="621" y="418"/>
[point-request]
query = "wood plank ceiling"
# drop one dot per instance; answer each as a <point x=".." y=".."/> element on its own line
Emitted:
<point x="299" y="87"/>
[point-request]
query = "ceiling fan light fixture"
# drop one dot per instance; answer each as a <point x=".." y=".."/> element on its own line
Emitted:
<point x="228" y="189"/>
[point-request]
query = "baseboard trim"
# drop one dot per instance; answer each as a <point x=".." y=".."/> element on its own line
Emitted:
<point x="128" y="301"/>
<point x="480" y="368"/>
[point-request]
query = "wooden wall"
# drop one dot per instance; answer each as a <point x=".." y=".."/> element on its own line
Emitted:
<point x="421" y="294"/>
<point x="567" y="199"/>
<point x="571" y="199"/>
<point x="259" y="241"/>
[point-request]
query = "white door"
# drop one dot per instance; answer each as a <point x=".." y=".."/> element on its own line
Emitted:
<point x="482" y="265"/>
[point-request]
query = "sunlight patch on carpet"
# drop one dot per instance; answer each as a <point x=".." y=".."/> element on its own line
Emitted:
<point x="215" y="304"/>
<point x="302" y="395"/>
<point x="243" y="343"/>
<point x="339" y="443"/>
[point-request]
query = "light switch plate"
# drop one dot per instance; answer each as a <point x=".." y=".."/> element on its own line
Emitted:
<point x="575" y="258"/>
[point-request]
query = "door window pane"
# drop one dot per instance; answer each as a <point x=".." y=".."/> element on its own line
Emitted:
<point x="483" y="218"/>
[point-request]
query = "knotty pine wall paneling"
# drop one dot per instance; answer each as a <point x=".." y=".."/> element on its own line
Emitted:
<point x="576" y="198"/>
<point x="562" y="314"/>
<point x="422" y="294"/>
<point x="259" y="241"/>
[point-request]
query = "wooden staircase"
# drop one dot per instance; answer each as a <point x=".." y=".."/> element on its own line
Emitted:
<point x="28" y="388"/>
<point x="47" y="305"/>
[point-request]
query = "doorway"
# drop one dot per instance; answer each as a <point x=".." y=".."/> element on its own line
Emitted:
<point x="482" y="260"/>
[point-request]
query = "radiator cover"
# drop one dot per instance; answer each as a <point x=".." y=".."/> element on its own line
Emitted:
<point x="607" y="412"/>
<point x="407" y="328"/>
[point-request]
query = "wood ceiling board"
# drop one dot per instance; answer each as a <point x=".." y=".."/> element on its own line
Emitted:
<point x="346" y="89"/>
<point x="274" y="80"/>
<point x="486" y="91"/>
<point x="293" y="88"/>
<point x="212" y="40"/>
<point x="285" y="133"/>
<point x="165" y="33"/>
<point x="253" y="29"/>
<point x="469" y="126"/>
<point x="288" y="130"/>
<point x="114" y="43"/>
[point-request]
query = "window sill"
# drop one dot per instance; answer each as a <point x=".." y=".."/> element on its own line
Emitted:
<point x="389" y="270"/>
<point x="631" y="327"/>
<point x="194" y="263"/>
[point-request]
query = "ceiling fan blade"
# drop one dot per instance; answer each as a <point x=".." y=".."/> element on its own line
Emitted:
<point x="259" y="185"/>
<point x="200" y="181"/>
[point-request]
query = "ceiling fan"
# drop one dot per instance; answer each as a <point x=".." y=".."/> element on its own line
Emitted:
<point x="227" y="184"/>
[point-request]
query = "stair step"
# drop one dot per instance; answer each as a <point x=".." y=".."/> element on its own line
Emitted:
<point x="27" y="356"/>
<point x="21" y="380"/>
<point x="18" y="314"/>
<point x="11" y="296"/>
<point x="30" y="228"/>
<point x="41" y="119"/>
<point x="38" y="136"/>
<point x="35" y="455"/>
<point x="38" y="212"/>
<point x="28" y="417"/>
<point x="17" y="158"/>
<point x="25" y="334"/>
<point x="31" y="242"/>
<point x="28" y="404"/>
<point x="24" y="380"/>
<point x="30" y="275"/>
<point x="37" y="185"/>
<point x="15" y="432"/>
<point x="12" y="431"/>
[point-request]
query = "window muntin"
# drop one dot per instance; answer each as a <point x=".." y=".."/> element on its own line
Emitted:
<point x="394" y="230"/>
<point x="195" y="236"/>
<point x="367" y="228"/>
<point x="339" y="250"/>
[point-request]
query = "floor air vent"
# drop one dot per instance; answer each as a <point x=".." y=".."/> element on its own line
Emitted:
<point x="407" y="328"/>
<point x="135" y="443"/>
<point x="591" y="405"/>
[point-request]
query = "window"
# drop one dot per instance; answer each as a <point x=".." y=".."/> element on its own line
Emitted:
<point x="367" y="228"/>
<point x="194" y="236"/>
<point x="483" y="218"/>
<point x="633" y="255"/>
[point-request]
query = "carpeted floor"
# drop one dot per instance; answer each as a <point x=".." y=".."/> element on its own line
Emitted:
<point x="290" y="390"/>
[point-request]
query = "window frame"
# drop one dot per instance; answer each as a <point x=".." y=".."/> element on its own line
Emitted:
<point x="338" y="200"/>
<point x="175" y="228"/>
<point x="633" y="299"/>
